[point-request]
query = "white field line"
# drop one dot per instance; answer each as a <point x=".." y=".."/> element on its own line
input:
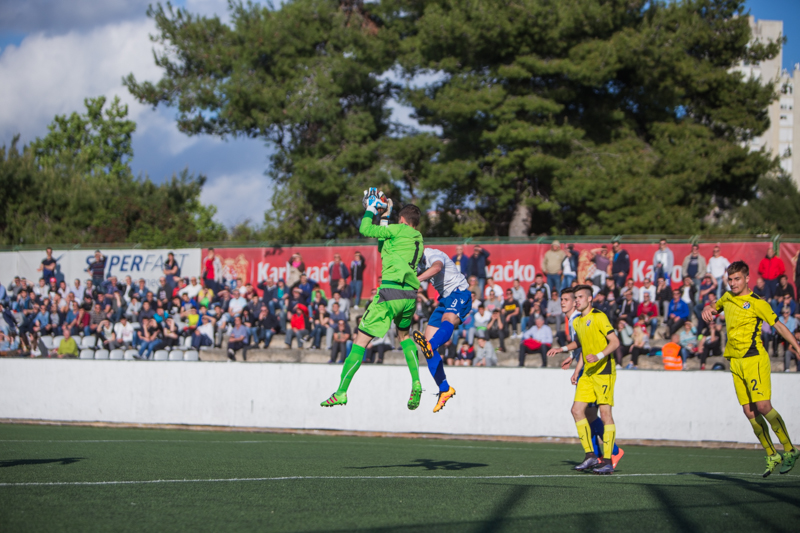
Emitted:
<point x="456" y="446"/>
<point x="368" y="478"/>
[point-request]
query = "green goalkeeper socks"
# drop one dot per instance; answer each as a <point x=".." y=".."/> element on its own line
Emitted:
<point x="351" y="365"/>
<point x="412" y="359"/>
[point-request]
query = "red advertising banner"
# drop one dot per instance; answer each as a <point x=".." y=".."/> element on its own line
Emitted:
<point x="506" y="262"/>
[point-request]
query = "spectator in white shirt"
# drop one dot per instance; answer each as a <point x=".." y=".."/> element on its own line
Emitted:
<point x="647" y="286"/>
<point x="517" y="292"/>
<point x="492" y="291"/>
<point x="192" y="289"/>
<point x="663" y="261"/>
<point x="123" y="334"/>
<point x="539" y="338"/>
<point x="718" y="268"/>
<point x="77" y="290"/>
<point x="482" y="318"/>
<point x="236" y="305"/>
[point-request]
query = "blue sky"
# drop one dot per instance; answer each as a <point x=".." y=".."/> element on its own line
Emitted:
<point x="55" y="53"/>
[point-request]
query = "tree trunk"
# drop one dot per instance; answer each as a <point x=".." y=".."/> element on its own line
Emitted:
<point x="521" y="222"/>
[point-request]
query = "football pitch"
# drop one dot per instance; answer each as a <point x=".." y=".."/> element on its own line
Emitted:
<point x="59" y="478"/>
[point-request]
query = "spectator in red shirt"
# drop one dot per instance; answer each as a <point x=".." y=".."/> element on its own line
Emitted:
<point x="212" y="271"/>
<point x="648" y="313"/>
<point x="298" y="317"/>
<point x="771" y="268"/>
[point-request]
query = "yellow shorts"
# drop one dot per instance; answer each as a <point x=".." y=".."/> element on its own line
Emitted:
<point x="598" y="388"/>
<point x="751" y="379"/>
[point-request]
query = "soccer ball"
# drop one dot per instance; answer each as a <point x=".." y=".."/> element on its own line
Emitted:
<point x="380" y="196"/>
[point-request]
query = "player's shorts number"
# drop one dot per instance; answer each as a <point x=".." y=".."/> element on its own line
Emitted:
<point x="605" y="389"/>
<point x="754" y="382"/>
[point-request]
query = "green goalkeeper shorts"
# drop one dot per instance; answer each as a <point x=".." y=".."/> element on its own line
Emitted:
<point x="389" y="305"/>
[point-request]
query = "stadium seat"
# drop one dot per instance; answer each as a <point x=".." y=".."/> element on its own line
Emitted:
<point x="87" y="354"/>
<point x="101" y="354"/>
<point x="136" y="325"/>
<point x="191" y="355"/>
<point x="88" y="341"/>
<point x="57" y="341"/>
<point x="130" y="353"/>
<point x="187" y="342"/>
<point x="176" y="355"/>
<point x="48" y="341"/>
<point x="161" y="355"/>
<point x="116" y="355"/>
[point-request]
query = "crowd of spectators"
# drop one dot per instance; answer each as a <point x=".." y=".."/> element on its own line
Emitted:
<point x="208" y="311"/>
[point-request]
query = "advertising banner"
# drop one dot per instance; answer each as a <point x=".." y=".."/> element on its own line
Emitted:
<point x="506" y="262"/>
<point x="72" y="264"/>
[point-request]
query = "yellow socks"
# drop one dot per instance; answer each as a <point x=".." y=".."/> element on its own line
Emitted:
<point x="762" y="434"/>
<point x="585" y="434"/>
<point x="609" y="434"/>
<point x="779" y="428"/>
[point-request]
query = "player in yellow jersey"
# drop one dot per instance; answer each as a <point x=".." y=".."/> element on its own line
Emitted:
<point x="750" y="366"/>
<point x="598" y="340"/>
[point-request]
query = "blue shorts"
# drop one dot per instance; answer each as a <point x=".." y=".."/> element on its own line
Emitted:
<point x="459" y="303"/>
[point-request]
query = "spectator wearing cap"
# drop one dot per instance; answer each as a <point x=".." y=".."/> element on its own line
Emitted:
<point x="97" y="269"/>
<point x="552" y="265"/>
<point x="663" y="261"/>
<point x="771" y="268"/>
<point x="620" y="264"/>
<point x="694" y="266"/>
<point x="48" y="265"/>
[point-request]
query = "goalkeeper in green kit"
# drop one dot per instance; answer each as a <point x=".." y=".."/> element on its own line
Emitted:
<point x="400" y="246"/>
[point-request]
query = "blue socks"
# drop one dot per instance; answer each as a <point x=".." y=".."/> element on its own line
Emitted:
<point x="442" y="335"/>
<point x="598" y="428"/>
<point x="436" y="366"/>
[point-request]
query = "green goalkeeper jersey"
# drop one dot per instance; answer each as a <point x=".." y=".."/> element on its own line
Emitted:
<point x="401" y="250"/>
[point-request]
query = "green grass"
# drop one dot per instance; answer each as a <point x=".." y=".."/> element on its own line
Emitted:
<point x="276" y="482"/>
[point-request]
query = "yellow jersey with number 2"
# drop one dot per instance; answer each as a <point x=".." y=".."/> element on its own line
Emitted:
<point x="744" y="316"/>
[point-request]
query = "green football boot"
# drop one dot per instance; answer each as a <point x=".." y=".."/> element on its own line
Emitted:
<point x="416" y="394"/>
<point x="788" y="460"/>
<point x="772" y="463"/>
<point x="337" y="398"/>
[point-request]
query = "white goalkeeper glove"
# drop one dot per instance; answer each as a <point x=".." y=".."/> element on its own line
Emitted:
<point x="387" y="212"/>
<point x="372" y="201"/>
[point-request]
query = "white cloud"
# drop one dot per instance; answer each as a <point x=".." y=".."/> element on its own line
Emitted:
<point x="239" y="197"/>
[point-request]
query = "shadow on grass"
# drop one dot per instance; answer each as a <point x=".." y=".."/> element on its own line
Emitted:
<point x="24" y="462"/>
<point x="428" y="464"/>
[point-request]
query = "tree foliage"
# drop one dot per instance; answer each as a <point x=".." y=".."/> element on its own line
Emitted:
<point x="75" y="185"/>
<point x="566" y="116"/>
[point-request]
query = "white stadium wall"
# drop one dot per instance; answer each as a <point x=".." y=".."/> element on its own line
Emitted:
<point x="675" y="406"/>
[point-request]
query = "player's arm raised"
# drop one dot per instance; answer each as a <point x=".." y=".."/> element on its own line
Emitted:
<point x="432" y="271"/>
<point x="611" y="347"/>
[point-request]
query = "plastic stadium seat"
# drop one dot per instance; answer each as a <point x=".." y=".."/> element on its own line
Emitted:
<point x="87" y="354"/>
<point x="176" y="355"/>
<point x="136" y="325"/>
<point x="191" y="355"/>
<point x="48" y="341"/>
<point x="88" y="341"/>
<point x="161" y="355"/>
<point x="57" y="341"/>
<point x="101" y="354"/>
<point x="187" y="342"/>
<point x="116" y="355"/>
<point x="130" y="353"/>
